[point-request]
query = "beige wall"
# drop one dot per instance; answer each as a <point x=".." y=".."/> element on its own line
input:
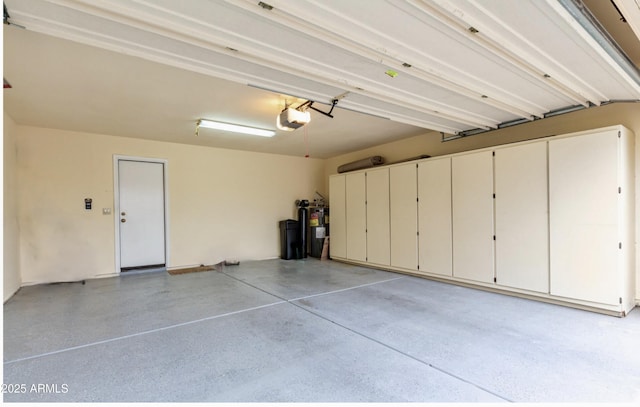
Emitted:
<point x="627" y="114"/>
<point x="223" y="204"/>
<point x="11" y="234"/>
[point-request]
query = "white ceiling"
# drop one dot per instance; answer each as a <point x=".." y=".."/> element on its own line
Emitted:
<point x="150" y="69"/>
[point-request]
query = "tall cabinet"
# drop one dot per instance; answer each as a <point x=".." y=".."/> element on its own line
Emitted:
<point x="356" y="213"/>
<point x="591" y="217"/>
<point x="434" y="216"/>
<point x="359" y="203"/>
<point x="552" y="218"/>
<point x="378" y="236"/>
<point x="472" y="203"/>
<point x="521" y="217"/>
<point x="404" y="216"/>
<point x="337" y="203"/>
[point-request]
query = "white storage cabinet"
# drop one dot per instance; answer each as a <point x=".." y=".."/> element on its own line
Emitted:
<point x="472" y="201"/>
<point x="434" y="217"/>
<point x="378" y="236"/>
<point x="552" y="219"/>
<point x="591" y="221"/>
<point x="404" y="216"/>
<point x="356" y="216"/>
<point x="521" y="212"/>
<point x="338" y="221"/>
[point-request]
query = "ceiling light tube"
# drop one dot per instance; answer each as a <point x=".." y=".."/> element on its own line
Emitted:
<point x="235" y="128"/>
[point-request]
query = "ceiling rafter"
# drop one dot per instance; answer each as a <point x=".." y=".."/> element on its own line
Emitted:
<point x="597" y="46"/>
<point x="323" y="73"/>
<point x="448" y="13"/>
<point x="501" y="35"/>
<point x="402" y="118"/>
<point x="341" y="48"/>
<point x="205" y="38"/>
<point x="630" y="9"/>
<point x="117" y="44"/>
<point x="257" y="53"/>
<point x="362" y="47"/>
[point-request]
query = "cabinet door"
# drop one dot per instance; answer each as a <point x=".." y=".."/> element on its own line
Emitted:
<point x="583" y="194"/>
<point x="434" y="216"/>
<point x="378" y="216"/>
<point x="356" y="216"/>
<point x="521" y="204"/>
<point x="472" y="194"/>
<point x="337" y="203"/>
<point x="404" y="216"/>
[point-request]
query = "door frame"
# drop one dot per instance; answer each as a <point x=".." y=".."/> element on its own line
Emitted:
<point x="116" y="202"/>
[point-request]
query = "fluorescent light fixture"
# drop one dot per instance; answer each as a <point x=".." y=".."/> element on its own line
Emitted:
<point x="235" y="128"/>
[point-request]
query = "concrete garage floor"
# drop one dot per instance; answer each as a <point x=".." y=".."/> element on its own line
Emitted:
<point x="309" y="331"/>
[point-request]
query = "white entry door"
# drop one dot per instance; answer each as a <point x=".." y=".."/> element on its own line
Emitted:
<point x="141" y="213"/>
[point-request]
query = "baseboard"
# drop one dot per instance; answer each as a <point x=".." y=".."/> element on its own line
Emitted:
<point x="546" y="298"/>
<point x="11" y="296"/>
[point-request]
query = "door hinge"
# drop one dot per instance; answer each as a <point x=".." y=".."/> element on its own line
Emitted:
<point x="620" y="245"/>
<point x="494" y="237"/>
<point x="619" y="134"/>
<point x="620" y="300"/>
<point x="418" y="267"/>
<point x="494" y="196"/>
<point x="493" y="153"/>
<point x="619" y="190"/>
<point x="495" y="280"/>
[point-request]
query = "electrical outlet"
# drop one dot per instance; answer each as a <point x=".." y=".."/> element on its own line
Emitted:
<point x="106" y="211"/>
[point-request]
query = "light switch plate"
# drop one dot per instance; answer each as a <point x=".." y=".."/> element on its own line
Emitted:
<point x="106" y="211"/>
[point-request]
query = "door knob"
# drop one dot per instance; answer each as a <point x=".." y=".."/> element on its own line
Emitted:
<point x="123" y="213"/>
<point x="123" y="220"/>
